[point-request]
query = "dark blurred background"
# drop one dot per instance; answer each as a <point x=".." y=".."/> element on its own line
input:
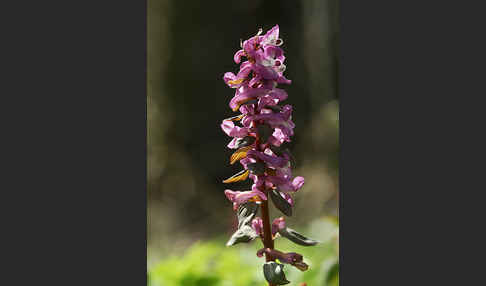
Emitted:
<point x="190" y="46"/>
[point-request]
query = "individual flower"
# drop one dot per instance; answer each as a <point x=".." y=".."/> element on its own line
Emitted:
<point x="286" y="184"/>
<point x="271" y="161"/>
<point x="278" y="224"/>
<point x="292" y="258"/>
<point x="238" y="198"/>
<point x="257" y="225"/>
<point x="235" y="81"/>
<point x="244" y="94"/>
<point x="271" y="37"/>
<point x="232" y="130"/>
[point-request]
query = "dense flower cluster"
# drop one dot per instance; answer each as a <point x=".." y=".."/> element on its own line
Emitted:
<point x="259" y="134"/>
<point x="265" y="124"/>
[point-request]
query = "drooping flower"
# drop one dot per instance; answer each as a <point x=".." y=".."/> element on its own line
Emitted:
<point x="292" y="258"/>
<point x="239" y="198"/>
<point x="232" y="130"/>
<point x="235" y="81"/>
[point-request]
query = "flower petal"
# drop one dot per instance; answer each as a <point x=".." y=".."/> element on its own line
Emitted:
<point x="278" y="224"/>
<point x="257" y="225"/>
<point x="297" y="183"/>
<point x="234" y="131"/>
<point x="238" y="55"/>
<point x="271" y="37"/>
<point x="271" y="161"/>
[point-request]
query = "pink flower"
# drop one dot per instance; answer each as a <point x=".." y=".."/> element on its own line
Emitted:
<point x="257" y="225"/>
<point x="281" y="122"/>
<point x="244" y="94"/>
<point x="265" y="58"/>
<point x="245" y="161"/>
<point x="238" y="198"/>
<point x="285" y="184"/>
<point x="235" y="81"/>
<point x="278" y="224"/>
<point x="232" y="130"/>
<point x="271" y="161"/>
<point x="271" y="37"/>
<point x="291" y="258"/>
<point x="238" y="55"/>
<point x="252" y="47"/>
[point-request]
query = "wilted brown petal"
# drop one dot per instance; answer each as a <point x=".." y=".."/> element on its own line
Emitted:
<point x="240" y="176"/>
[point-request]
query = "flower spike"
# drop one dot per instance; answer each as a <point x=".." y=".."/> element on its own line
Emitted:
<point x="259" y="134"/>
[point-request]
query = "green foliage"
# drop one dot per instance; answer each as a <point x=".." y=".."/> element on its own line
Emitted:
<point x="213" y="264"/>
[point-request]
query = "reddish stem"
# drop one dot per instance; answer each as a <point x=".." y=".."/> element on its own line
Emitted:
<point x="267" y="231"/>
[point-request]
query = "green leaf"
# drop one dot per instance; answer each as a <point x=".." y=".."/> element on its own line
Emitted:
<point x="243" y="142"/>
<point x="246" y="212"/>
<point x="274" y="274"/>
<point x="257" y="168"/>
<point x="244" y="234"/>
<point x="333" y="273"/>
<point x="281" y="203"/>
<point x="296" y="237"/>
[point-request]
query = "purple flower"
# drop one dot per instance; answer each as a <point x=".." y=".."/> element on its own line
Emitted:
<point x="244" y="94"/>
<point x="271" y="161"/>
<point x="232" y="130"/>
<point x="285" y="184"/>
<point x="283" y="181"/>
<point x="271" y="38"/>
<point x="245" y="161"/>
<point x="238" y="198"/>
<point x="238" y="55"/>
<point x="265" y="59"/>
<point x="235" y="81"/>
<point x="291" y="258"/>
<point x="252" y="47"/>
<point x="280" y="121"/>
<point x="232" y="144"/>
<point x="270" y="62"/>
<point x="278" y="224"/>
<point x="257" y="225"/>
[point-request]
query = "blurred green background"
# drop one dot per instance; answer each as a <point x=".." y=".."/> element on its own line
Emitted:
<point x="190" y="46"/>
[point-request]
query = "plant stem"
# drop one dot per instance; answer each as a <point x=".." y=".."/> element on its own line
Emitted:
<point x="267" y="232"/>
